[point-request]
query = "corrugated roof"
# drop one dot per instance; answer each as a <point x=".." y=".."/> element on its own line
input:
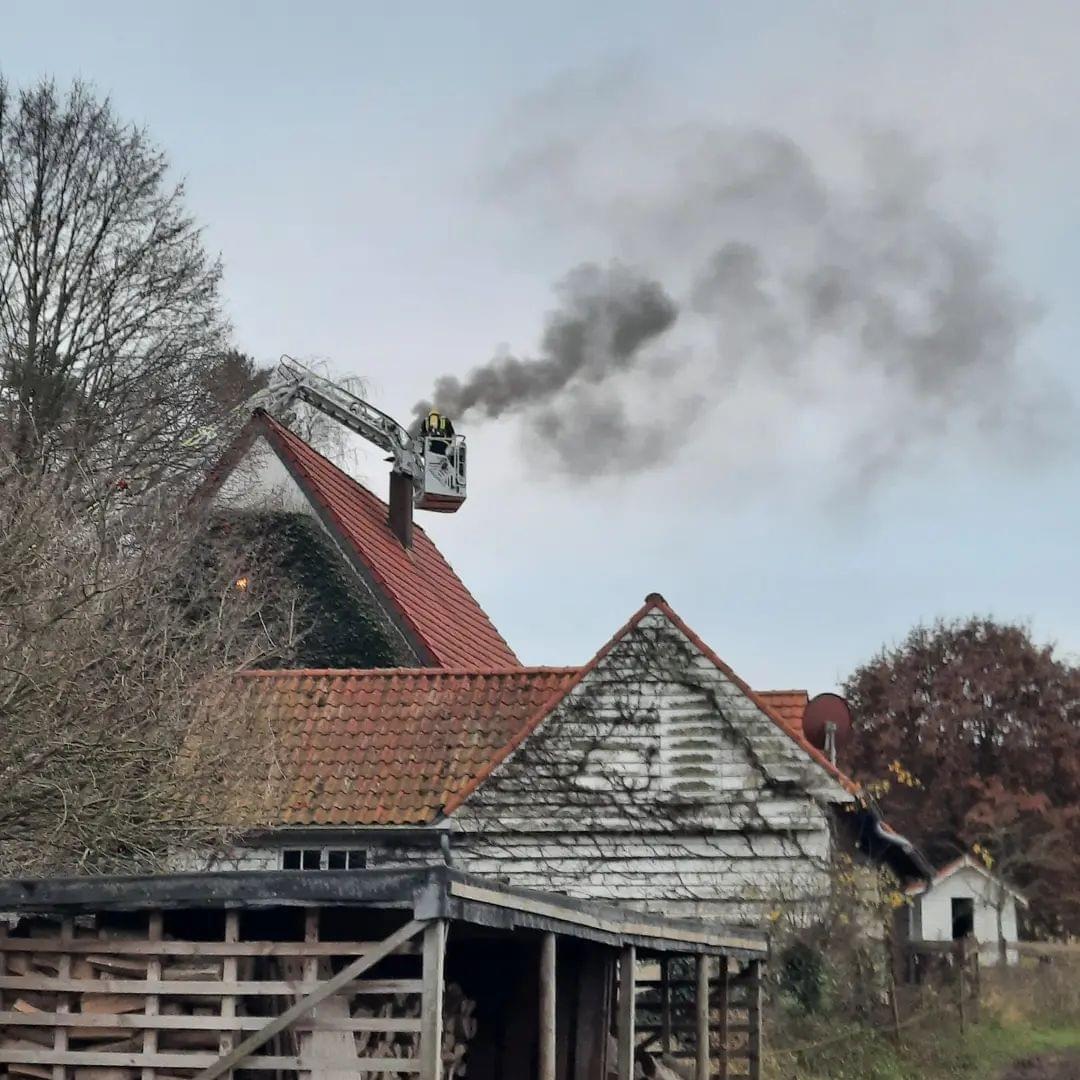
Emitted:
<point x="434" y="607"/>
<point x="394" y="746"/>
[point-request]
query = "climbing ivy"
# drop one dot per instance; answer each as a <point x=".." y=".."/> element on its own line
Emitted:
<point x="336" y="622"/>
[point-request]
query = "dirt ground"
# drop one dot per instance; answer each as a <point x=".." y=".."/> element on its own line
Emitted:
<point x="1045" y="1067"/>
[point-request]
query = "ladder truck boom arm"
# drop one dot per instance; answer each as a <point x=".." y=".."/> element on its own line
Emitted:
<point x="295" y="382"/>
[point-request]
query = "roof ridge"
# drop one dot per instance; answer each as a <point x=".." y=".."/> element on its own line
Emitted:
<point x="536" y="669"/>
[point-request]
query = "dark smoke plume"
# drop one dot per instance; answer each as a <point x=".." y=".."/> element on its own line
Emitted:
<point x="606" y="317"/>
<point x="849" y="290"/>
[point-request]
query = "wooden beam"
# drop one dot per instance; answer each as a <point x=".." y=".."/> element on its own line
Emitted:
<point x="431" y="1030"/>
<point x="665" y="1004"/>
<point x="301" y="1008"/>
<point x="701" y="1006"/>
<point x="546" y="1064"/>
<point x="753" y="1046"/>
<point x="722" y="1028"/>
<point x="627" y="988"/>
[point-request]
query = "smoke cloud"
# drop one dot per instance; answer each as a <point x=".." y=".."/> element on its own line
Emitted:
<point x="605" y="318"/>
<point x="785" y="281"/>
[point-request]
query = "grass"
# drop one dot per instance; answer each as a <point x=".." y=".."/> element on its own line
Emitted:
<point x="932" y="1049"/>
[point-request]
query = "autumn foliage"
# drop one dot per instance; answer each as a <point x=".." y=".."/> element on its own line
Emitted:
<point x="988" y="722"/>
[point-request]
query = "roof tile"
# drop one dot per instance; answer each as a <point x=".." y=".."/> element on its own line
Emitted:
<point x="402" y="745"/>
<point x="428" y="596"/>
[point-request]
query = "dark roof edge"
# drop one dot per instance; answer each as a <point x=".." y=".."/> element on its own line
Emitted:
<point x="434" y="891"/>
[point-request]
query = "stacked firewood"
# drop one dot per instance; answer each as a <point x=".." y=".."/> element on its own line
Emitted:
<point x="459" y="1027"/>
<point x="92" y="1036"/>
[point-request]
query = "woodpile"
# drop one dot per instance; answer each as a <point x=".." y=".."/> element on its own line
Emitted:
<point x="91" y="1003"/>
<point x="96" y="1020"/>
<point x="459" y="1028"/>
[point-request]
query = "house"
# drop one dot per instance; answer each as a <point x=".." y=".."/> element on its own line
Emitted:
<point x="965" y="900"/>
<point x="652" y="776"/>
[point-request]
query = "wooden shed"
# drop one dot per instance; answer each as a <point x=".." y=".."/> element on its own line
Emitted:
<point x="357" y="975"/>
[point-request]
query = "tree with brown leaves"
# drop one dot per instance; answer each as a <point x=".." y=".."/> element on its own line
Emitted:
<point x="989" y="724"/>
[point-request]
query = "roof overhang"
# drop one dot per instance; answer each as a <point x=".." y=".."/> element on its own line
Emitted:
<point x="428" y="892"/>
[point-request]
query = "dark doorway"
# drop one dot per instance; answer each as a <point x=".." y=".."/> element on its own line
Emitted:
<point x="963" y="917"/>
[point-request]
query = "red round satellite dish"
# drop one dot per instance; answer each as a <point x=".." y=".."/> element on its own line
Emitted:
<point x="823" y="710"/>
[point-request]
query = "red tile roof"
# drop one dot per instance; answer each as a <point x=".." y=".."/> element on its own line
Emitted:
<point x="788" y="705"/>
<point x="405" y="746"/>
<point x="394" y="746"/>
<point x="429" y="600"/>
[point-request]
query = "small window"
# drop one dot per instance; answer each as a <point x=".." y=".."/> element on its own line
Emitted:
<point x="323" y="859"/>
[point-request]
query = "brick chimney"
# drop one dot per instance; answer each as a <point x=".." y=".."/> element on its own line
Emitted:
<point x="401" y="507"/>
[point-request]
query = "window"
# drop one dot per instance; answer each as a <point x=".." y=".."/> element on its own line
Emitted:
<point x="323" y="859"/>
<point x="963" y="917"/>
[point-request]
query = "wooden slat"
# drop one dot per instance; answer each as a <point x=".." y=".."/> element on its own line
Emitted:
<point x="186" y="1061"/>
<point x="431" y="1007"/>
<point x="627" y="1010"/>
<point x="182" y="988"/>
<point x="229" y="973"/>
<point x="665" y="1004"/>
<point x="334" y="985"/>
<point x="164" y="1022"/>
<point x="546" y="1064"/>
<point x="723" y="1027"/>
<point x="701" y="1012"/>
<point x="140" y="947"/>
<point x="753" y="1048"/>
<point x="63" y="1001"/>
<point x="153" y="1002"/>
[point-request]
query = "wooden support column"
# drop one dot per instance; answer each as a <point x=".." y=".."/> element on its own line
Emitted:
<point x="665" y="1004"/>
<point x="722" y="1017"/>
<point x="63" y="1001"/>
<point x="230" y="967"/>
<point x="701" y="1009"/>
<point x="625" y="1027"/>
<point x="546" y="1064"/>
<point x="153" y="1002"/>
<point x="753" y="1011"/>
<point x="431" y="1003"/>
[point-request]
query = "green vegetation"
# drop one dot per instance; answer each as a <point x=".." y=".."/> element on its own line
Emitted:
<point x="932" y="1049"/>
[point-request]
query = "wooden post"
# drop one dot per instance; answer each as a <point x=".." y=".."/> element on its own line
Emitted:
<point x="546" y="1065"/>
<point x="753" y="1011"/>
<point x="665" y="1004"/>
<point x="961" y="981"/>
<point x="701" y="1004"/>
<point x="153" y="1002"/>
<point x="431" y="1001"/>
<point x="627" y="964"/>
<point x="977" y="983"/>
<point x="722" y="1024"/>
<point x="63" y="1001"/>
<point x="229" y="972"/>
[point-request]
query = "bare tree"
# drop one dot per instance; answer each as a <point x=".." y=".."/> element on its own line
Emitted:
<point x="125" y="737"/>
<point x="110" y="327"/>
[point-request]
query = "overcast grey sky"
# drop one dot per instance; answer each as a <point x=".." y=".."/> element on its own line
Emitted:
<point x="866" y="214"/>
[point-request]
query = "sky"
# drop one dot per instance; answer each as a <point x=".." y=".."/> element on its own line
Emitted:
<point x="397" y="193"/>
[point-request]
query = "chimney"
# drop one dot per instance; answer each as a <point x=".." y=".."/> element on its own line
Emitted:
<point x="401" y="507"/>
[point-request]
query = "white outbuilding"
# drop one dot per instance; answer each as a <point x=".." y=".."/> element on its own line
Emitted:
<point x="965" y="900"/>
